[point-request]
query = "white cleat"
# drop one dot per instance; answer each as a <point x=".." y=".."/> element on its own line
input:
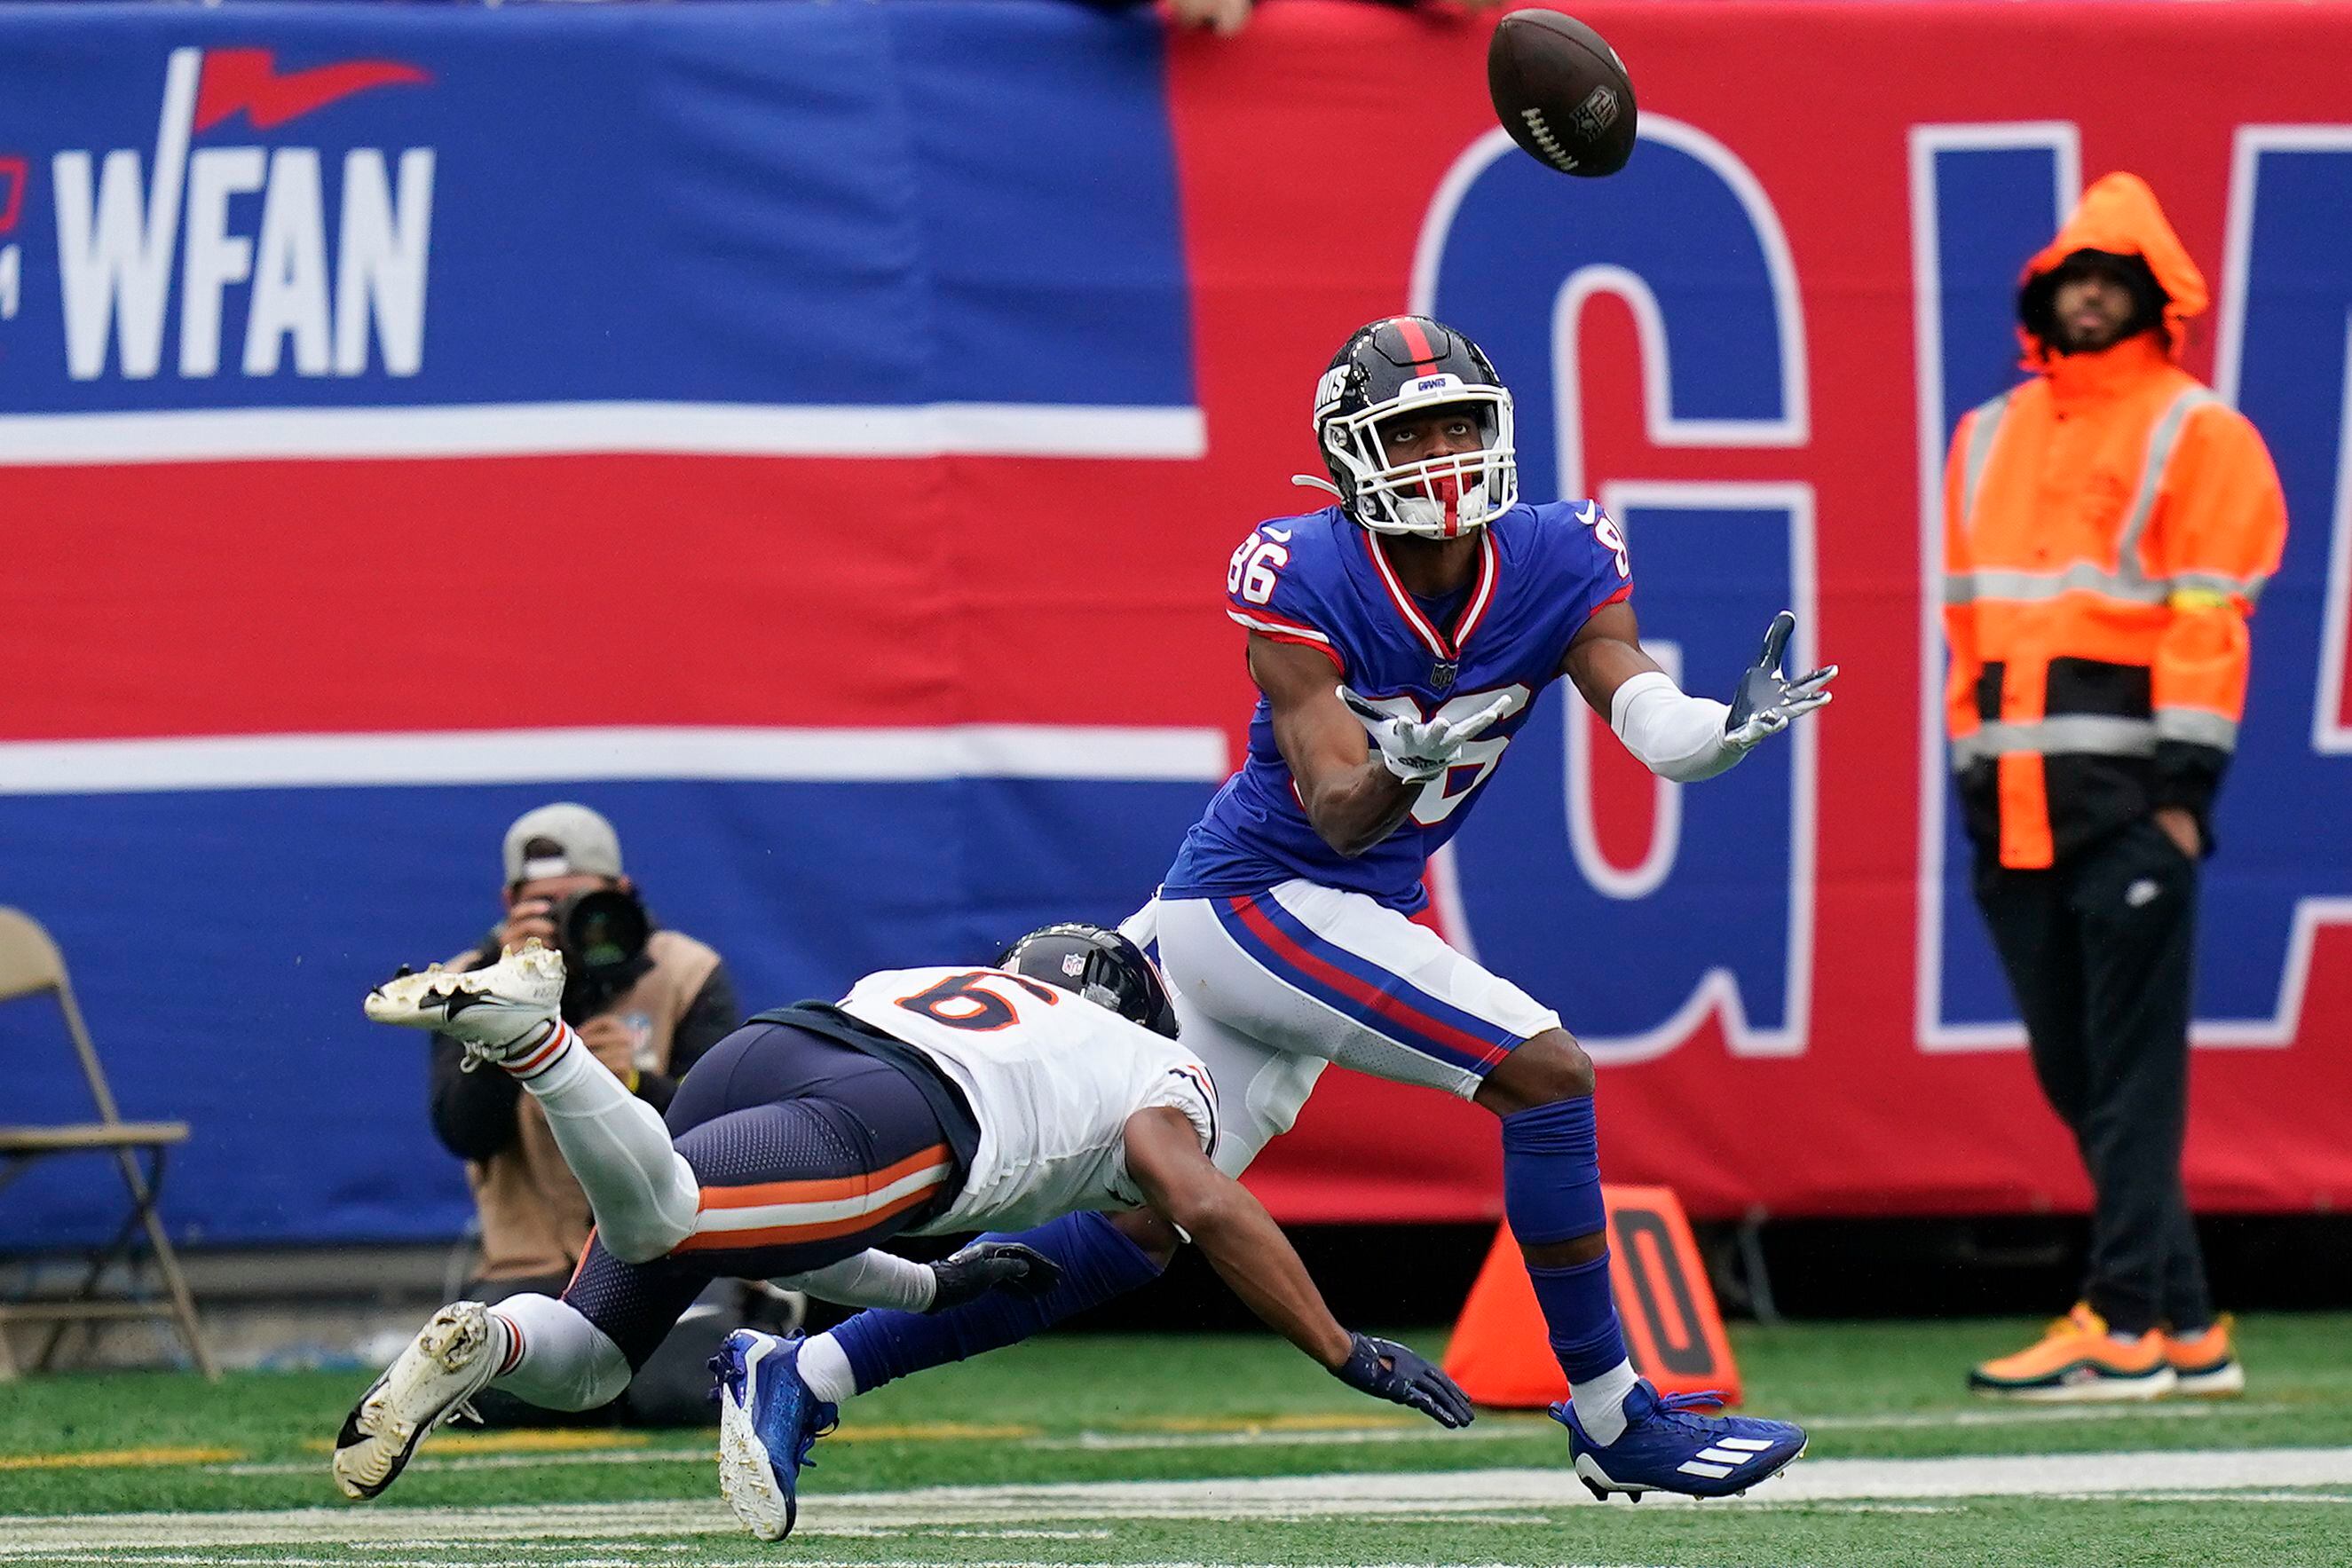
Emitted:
<point x="448" y="1361"/>
<point x="498" y="1012"/>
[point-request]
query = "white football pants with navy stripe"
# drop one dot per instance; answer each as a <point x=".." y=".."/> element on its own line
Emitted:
<point x="1272" y="986"/>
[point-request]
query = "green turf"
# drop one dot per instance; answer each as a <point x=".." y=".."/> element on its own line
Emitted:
<point x="1139" y="1408"/>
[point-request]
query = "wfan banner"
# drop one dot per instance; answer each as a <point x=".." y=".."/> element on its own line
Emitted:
<point x="816" y="436"/>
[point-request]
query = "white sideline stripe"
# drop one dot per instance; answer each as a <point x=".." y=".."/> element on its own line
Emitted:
<point x="722" y="1221"/>
<point x="1490" y="1429"/>
<point x="559" y="429"/>
<point x="2023" y="1414"/>
<point x="1495" y="1427"/>
<point x="547" y="756"/>
<point x="2261" y="1471"/>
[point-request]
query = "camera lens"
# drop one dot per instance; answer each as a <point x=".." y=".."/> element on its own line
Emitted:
<point x="601" y="930"/>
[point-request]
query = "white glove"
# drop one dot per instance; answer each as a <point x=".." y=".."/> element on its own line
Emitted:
<point x="1687" y="739"/>
<point x="1766" y="700"/>
<point x="1418" y="750"/>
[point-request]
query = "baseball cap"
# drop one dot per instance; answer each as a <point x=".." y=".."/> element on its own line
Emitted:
<point x="583" y="844"/>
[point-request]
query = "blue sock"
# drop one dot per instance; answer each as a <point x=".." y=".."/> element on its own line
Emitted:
<point x="1098" y="1263"/>
<point x="1551" y="1192"/>
<point x="1581" y="1316"/>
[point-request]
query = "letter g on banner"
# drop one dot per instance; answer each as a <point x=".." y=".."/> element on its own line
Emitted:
<point x="1719" y="919"/>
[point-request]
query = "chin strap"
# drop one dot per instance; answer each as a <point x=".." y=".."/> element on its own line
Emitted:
<point x="1308" y="482"/>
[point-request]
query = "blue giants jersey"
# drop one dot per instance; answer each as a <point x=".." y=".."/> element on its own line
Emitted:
<point x="1321" y="581"/>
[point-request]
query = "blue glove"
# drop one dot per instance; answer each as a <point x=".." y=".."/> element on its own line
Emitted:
<point x="986" y="1266"/>
<point x="1391" y="1371"/>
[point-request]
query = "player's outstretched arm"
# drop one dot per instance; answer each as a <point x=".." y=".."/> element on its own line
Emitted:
<point x="1250" y="1253"/>
<point x="1352" y="798"/>
<point x="883" y="1279"/>
<point x="1674" y="735"/>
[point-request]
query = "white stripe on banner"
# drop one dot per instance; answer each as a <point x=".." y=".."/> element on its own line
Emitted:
<point x="555" y="756"/>
<point x="706" y="429"/>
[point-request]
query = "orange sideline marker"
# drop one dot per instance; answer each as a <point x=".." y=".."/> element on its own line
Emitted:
<point x="1501" y="1356"/>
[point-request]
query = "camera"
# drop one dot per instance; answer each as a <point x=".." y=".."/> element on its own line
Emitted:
<point x="600" y="930"/>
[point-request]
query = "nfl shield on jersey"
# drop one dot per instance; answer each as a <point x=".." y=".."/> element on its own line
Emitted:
<point x="1322" y="582"/>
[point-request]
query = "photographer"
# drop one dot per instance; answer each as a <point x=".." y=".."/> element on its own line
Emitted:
<point x="648" y="1002"/>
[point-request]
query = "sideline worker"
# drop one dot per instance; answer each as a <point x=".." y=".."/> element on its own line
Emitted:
<point x="2108" y="526"/>
<point x="647" y="1002"/>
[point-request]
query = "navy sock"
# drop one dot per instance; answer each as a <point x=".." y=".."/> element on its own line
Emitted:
<point x="1551" y="1192"/>
<point x="1098" y="1263"/>
<point x="1581" y="1316"/>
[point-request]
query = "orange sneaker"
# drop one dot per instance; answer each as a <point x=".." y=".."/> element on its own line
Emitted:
<point x="2209" y="1367"/>
<point x="2077" y="1359"/>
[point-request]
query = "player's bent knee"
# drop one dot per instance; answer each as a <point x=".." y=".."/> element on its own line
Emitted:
<point x="1546" y="1068"/>
<point x="1558" y="1068"/>
<point x="594" y="1384"/>
<point x="633" y="1249"/>
<point x="607" y="1379"/>
<point x="651" y="1238"/>
<point x="665" y="1216"/>
<point x="1576" y="1078"/>
<point x="565" y="1360"/>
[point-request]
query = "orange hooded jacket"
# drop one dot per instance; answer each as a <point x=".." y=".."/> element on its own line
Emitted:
<point x="2108" y="526"/>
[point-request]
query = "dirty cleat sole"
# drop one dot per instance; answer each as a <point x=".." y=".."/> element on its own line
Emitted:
<point x="448" y="1361"/>
<point x="496" y="1012"/>
<point x="746" y="1480"/>
<point x="768" y="1422"/>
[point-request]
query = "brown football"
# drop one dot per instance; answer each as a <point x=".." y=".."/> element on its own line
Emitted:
<point x="1561" y="92"/>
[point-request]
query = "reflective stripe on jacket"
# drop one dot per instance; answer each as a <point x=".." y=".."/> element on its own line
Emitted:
<point x="2108" y="526"/>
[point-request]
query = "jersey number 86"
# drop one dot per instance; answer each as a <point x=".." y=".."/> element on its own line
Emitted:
<point x="1251" y="572"/>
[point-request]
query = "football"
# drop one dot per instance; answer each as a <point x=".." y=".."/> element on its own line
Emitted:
<point x="1561" y="92"/>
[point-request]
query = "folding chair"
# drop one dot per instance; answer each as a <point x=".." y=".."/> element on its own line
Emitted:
<point x="30" y="964"/>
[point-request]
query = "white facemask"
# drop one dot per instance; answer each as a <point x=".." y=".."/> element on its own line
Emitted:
<point x="1438" y="497"/>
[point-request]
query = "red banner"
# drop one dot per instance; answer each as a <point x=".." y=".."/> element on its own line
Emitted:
<point x="1909" y="157"/>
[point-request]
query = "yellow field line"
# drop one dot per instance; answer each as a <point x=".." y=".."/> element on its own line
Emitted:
<point x="143" y="1458"/>
<point x="931" y="1432"/>
<point x="1319" y="1421"/>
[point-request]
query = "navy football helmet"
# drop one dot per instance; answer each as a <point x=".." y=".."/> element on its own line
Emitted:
<point x="1400" y="365"/>
<point x="1099" y="964"/>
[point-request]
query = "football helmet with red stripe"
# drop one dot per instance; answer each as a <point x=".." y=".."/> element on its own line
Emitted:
<point x="1405" y="367"/>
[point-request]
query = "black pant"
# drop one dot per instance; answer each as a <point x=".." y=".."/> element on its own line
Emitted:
<point x="787" y="1120"/>
<point x="2099" y="950"/>
<point x="673" y="1387"/>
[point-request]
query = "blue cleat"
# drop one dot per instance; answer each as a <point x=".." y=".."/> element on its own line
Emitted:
<point x="1665" y="1448"/>
<point x="768" y="1421"/>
